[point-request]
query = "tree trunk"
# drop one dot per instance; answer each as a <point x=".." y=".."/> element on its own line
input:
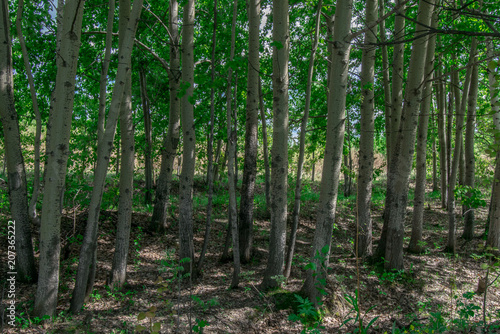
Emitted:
<point x="148" y="158"/>
<point x="451" y="243"/>
<point x="118" y="274"/>
<point x="390" y="246"/>
<point x="397" y="81"/>
<point x="302" y="144"/>
<point x="469" y="151"/>
<point x="18" y="195"/>
<point x="435" y="186"/>
<point x="57" y="157"/>
<point x="104" y="149"/>
<point x="493" y="239"/>
<point x="38" y="131"/>
<point x="387" y="84"/>
<point x="363" y="240"/>
<point x="279" y="150"/>
<point x="232" y="224"/>
<point x="186" y="247"/>
<point x="171" y="141"/>
<point x="210" y="149"/>
<point x="245" y="220"/>
<point x="421" y="164"/>
<point x="265" y="149"/>
<point x="333" y="150"/>
<point x="443" y="160"/>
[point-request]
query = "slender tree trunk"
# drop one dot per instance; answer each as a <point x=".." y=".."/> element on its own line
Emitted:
<point x="186" y="247"/>
<point x="435" y="186"/>
<point x="313" y="172"/>
<point x="118" y="274"/>
<point x="397" y="81"/>
<point x="390" y="246"/>
<point x="348" y="160"/>
<point x="171" y="141"/>
<point x="449" y="130"/>
<point x="245" y="220"/>
<point x="422" y="132"/>
<point x="38" y="131"/>
<point x="267" y="170"/>
<point x="104" y="149"/>
<point x="387" y="84"/>
<point x="18" y="195"/>
<point x="493" y="239"/>
<point x="443" y="160"/>
<point x="210" y="149"/>
<point x="148" y="158"/>
<point x="451" y="243"/>
<point x="302" y="144"/>
<point x="279" y="150"/>
<point x="320" y="251"/>
<point x="363" y="240"/>
<point x="57" y="157"/>
<point x="469" y="151"/>
<point x="103" y="82"/>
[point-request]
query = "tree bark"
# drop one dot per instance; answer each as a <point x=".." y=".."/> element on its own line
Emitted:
<point x="493" y="239"/>
<point x="451" y="243"/>
<point x="302" y="144"/>
<point x="443" y="160"/>
<point x="57" y="153"/>
<point x="265" y="148"/>
<point x="18" y="194"/>
<point x="171" y="141"/>
<point x="38" y="130"/>
<point x="470" y="129"/>
<point x="104" y="149"/>
<point x="148" y="156"/>
<point x="390" y="246"/>
<point x="210" y="149"/>
<point x="333" y="150"/>
<point x="279" y="150"/>
<point x="118" y="274"/>
<point x="422" y="132"/>
<point x="363" y="240"/>
<point x="245" y="221"/>
<point x="397" y="81"/>
<point x="186" y="247"/>
<point x="386" y="82"/>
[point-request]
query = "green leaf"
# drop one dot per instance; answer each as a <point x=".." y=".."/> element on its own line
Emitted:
<point x="141" y="316"/>
<point x="140" y="328"/>
<point x="156" y="326"/>
<point x="277" y="44"/>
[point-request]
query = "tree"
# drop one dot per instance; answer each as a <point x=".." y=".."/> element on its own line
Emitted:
<point x="390" y="246"/>
<point x="186" y="247"/>
<point x="279" y="150"/>
<point x="365" y="171"/>
<point x="18" y="195"/>
<point x="245" y="220"/>
<point x="171" y="141"/>
<point x="300" y="163"/>
<point x="57" y="153"/>
<point x="421" y="161"/>
<point x="86" y="266"/>
<point x="333" y="149"/>
<point x="118" y="272"/>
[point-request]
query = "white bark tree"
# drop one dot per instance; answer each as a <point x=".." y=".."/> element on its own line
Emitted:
<point x="57" y="153"/>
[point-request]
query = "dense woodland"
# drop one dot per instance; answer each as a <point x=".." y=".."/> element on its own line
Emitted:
<point x="251" y="166"/>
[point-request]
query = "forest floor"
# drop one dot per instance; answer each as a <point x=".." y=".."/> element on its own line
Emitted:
<point x="431" y="292"/>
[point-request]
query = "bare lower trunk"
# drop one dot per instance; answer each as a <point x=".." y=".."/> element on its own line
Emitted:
<point x="302" y="144"/>
<point x="171" y="141"/>
<point x="210" y="149"/>
<point x="279" y="150"/>
<point x="363" y="240"/>
<point x="148" y="158"/>
<point x="18" y="227"/>
<point x="86" y="265"/>
<point x="320" y="251"/>
<point x="421" y="164"/>
<point x="186" y="247"/>
<point x="245" y="219"/>
<point x="386" y="82"/>
<point x="57" y="157"/>
<point x="265" y="149"/>
<point x="443" y="161"/>
<point x="390" y="246"/>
